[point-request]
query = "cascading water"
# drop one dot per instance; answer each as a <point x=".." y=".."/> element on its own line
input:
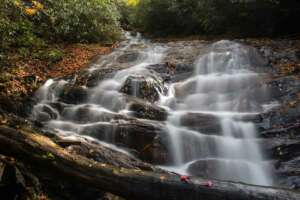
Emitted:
<point x="216" y="94"/>
<point x="207" y="131"/>
<point x="105" y="102"/>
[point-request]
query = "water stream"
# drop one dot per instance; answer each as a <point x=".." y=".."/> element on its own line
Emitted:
<point x="207" y="130"/>
<point x="217" y="89"/>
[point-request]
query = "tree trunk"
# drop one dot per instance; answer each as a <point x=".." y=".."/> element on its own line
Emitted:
<point x="45" y="157"/>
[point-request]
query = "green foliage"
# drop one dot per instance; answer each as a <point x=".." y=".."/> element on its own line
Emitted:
<point x="55" y="56"/>
<point x="28" y="25"/>
<point x="84" y="21"/>
<point x="255" y="18"/>
<point x="128" y="13"/>
<point x="15" y="29"/>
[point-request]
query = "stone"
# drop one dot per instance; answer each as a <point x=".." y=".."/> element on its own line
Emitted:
<point x="128" y="57"/>
<point x="44" y="113"/>
<point x="149" y="141"/>
<point x="145" y="110"/>
<point x="74" y="94"/>
<point x="144" y="87"/>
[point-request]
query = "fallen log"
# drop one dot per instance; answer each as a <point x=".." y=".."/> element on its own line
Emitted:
<point x="47" y="158"/>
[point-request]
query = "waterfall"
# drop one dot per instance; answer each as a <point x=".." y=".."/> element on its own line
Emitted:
<point x="104" y="103"/>
<point x="207" y="132"/>
<point x="217" y="93"/>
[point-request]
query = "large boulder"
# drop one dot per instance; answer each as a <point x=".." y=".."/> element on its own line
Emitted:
<point x="72" y="94"/>
<point x="145" y="110"/>
<point x="44" y="112"/>
<point x="211" y="124"/>
<point x="204" y="123"/>
<point x="145" y="140"/>
<point x="144" y="87"/>
<point x="128" y="57"/>
<point x="92" y="79"/>
<point x="221" y="169"/>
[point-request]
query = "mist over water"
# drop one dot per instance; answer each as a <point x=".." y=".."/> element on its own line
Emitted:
<point x="223" y="90"/>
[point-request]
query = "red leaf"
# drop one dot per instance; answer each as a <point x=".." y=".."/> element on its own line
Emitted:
<point x="184" y="178"/>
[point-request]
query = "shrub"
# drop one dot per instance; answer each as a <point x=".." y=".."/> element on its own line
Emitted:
<point x="15" y="28"/>
<point x="243" y="17"/>
<point x="57" y="20"/>
<point x="54" y="56"/>
<point x="84" y="21"/>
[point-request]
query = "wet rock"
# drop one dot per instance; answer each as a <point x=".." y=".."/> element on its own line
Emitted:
<point x="291" y="131"/>
<point x="203" y="123"/>
<point x="50" y="111"/>
<point x="180" y="71"/>
<point x="282" y="88"/>
<point x="219" y="169"/>
<point x="89" y="113"/>
<point x="146" y="110"/>
<point x="272" y="147"/>
<point x="184" y="52"/>
<point x="205" y="168"/>
<point x="144" y="87"/>
<point x="287" y="151"/>
<point x="282" y="116"/>
<point x="128" y="57"/>
<point x="59" y="106"/>
<point x="74" y="94"/>
<point x="277" y="52"/>
<point x="159" y="68"/>
<point x="162" y="70"/>
<point x="148" y="140"/>
<point x="43" y="117"/>
<point x="282" y="145"/>
<point x="93" y="78"/>
<point x="167" y="68"/>
<point x="288" y="174"/>
<point x="211" y="124"/>
<point x="44" y="112"/>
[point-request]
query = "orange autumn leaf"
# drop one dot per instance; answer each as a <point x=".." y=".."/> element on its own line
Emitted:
<point x="30" y="11"/>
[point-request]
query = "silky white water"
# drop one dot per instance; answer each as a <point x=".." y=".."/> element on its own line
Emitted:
<point x="104" y="100"/>
<point x="218" y="90"/>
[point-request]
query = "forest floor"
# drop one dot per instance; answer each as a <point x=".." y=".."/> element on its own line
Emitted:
<point x="26" y="70"/>
<point x="25" y="73"/>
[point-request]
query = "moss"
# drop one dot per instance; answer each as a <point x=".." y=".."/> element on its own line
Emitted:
<point x="48" y="156"/>
<point x="55" y="56"/>
<point x="5" y="77"/>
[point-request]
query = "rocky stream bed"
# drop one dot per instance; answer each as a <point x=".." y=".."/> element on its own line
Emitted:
<point x="118" y="112"/>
